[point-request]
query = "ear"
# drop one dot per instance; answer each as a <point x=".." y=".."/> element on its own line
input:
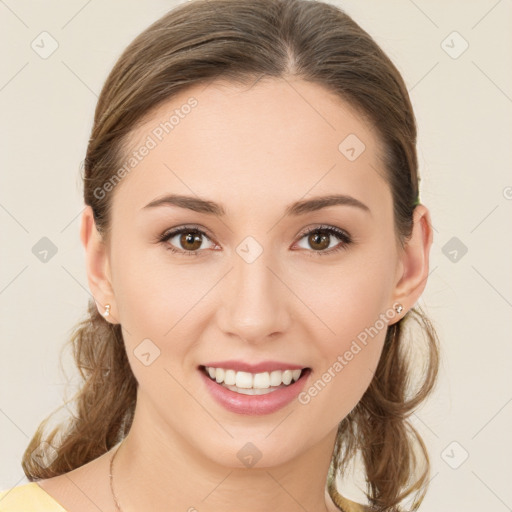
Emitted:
<point x="97" y="265"/>
<point x="413" y="267"/>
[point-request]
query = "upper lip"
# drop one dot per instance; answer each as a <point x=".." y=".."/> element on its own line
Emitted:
<point x="263" y="366"/>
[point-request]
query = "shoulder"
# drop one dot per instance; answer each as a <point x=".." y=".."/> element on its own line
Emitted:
<point x="27" y="498"/>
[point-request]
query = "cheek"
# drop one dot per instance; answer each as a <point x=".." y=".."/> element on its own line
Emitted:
<point x="346" y="302"/>
<point x="161" y="307"/>
<point x="348" y="366"/>
<point x="152" y="293"/>
<point x="349" y="329"/>
<point x="355" y="350"/>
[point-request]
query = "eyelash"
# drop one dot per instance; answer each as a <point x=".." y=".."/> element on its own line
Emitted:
<point x="331" y="230"/>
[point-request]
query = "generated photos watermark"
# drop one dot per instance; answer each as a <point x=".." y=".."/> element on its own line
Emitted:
<point x="157" y="135"/>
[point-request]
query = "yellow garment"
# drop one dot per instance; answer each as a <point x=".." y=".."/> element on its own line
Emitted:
<point x="32" y="498"/>
<point x="344" y="504"/>
<point x="28" y="498"/>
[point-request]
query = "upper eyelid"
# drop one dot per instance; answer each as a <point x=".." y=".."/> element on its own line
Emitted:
<point x="325" y="227"/>
<point x="174" y="231"/>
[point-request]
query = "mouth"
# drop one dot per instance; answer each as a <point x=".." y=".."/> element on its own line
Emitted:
<point x="247" y="383"/>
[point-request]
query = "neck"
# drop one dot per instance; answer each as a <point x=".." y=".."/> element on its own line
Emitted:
<point x="181" y="478"/>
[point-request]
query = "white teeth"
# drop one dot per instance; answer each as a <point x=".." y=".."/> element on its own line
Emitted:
<point x="252" y="391"/>
<point x="287" y="377"/>
<point x="275" y="378"/>
<point x="261" y="380"/>
<point x="243" y="379"/>
<point x="253" y="381"/>
<point x="296" y="374"/>
<point x="230" y="377"/>
<point x="219" y="375"/>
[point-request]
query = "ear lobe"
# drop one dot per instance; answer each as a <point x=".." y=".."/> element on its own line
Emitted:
<point x="414" y="260"/>
<point x="97" y="264"/>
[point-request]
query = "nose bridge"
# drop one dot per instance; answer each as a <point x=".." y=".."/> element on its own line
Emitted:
<point x="254" y="307"/>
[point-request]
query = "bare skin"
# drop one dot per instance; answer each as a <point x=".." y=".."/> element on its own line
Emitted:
<point x="254" y="150"/>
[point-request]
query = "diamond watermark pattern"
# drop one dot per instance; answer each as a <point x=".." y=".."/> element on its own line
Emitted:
<point x="454" y="45"/>
<point x="454" y="249"/>
<point x="454" y="455"/>
<point x="351" y="147"/>
<point x="44" y="250"/>
<point x="44" y="45"/>
<point x="44" y="455"/>
<point x="146" y="352"/>
<point x="249" y="249"/>
<point x="249" y="455"/>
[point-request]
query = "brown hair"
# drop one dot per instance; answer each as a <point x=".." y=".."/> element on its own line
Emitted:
<point x="240" y="41"/>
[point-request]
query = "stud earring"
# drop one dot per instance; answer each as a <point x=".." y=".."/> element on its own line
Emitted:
<point x="399" y="308"/>
<point x="107" y="310"/>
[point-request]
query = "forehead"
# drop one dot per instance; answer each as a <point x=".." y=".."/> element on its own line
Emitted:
<point x="276" y="140"/>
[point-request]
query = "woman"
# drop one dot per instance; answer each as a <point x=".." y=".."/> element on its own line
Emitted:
<point x="254" y="244"/>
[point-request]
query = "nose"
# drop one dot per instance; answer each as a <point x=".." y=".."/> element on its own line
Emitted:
<point x="255" y="304"/>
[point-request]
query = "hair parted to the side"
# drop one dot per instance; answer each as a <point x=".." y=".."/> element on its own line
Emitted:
<point x="239" y="42"/>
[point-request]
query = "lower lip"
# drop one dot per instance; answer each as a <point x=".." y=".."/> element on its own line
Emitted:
<point x="254" y="404"/>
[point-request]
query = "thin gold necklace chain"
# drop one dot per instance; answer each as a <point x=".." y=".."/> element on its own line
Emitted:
<point x="112" y="478"/>
<point x="111" y="475"/>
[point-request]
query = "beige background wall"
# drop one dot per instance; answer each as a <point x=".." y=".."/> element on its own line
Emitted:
<point x="463" y="103"/>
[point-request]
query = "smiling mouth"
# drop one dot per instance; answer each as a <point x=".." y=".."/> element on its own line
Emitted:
<point x="254" y="383"/>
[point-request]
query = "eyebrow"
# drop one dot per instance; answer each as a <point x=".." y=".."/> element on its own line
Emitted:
<point x="199" y="205"/>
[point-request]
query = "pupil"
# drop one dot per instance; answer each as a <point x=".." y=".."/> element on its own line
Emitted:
<point x="320" y="240"/>
<point x="189" y="238"/>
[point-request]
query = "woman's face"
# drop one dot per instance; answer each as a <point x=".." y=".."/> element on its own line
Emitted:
<point x="258" y="288"/>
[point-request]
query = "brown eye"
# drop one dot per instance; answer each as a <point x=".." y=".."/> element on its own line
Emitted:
<point x="185" y="240"/>
<point x="190" y="241"/>
<point x="318" y="240"/>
